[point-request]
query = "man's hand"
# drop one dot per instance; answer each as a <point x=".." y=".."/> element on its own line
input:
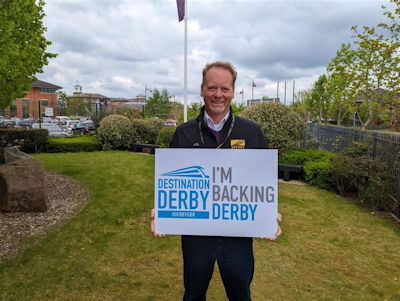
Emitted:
<point x="279" y="231"/>
<point x="152" y="224"/>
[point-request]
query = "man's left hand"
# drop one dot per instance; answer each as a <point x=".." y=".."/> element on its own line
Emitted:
<point x="279" y="231"/>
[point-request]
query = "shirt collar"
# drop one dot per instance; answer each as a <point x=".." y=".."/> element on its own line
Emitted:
<point x="210" y="123"/>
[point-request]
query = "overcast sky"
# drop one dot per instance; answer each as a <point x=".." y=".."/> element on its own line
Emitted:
<point x="116" y="48"/>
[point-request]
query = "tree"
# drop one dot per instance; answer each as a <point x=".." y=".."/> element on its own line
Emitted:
<point x="22" y="47"/>
<point x="340" y="84"/>
<point x="237" y="108"/>
<point x="159" y="105"/>
<point x="319" y="101"/>
<point x="62" y="101"/>
<point x="393" y="83"/>
<point x="79" y="106"/>
<point x="300" y="104"/>
<point x="192" y="112"/>
<point x="369" y="69"/>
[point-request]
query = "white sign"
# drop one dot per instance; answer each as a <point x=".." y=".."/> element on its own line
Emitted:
<point x="48" y="112"/>
<point x="216" y="192"/>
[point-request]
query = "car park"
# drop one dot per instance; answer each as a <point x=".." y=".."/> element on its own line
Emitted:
<point x="53" y="129"/>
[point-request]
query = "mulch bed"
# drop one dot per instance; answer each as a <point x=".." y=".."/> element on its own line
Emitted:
<point x="66" y="197"/>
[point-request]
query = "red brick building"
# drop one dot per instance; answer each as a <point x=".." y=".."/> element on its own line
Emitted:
<point x="28" y="107"/>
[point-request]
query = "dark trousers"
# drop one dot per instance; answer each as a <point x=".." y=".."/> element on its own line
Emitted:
<point x="234" y="256"/>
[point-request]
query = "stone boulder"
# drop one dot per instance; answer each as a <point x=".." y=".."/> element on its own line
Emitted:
<point x="22" y="186"/>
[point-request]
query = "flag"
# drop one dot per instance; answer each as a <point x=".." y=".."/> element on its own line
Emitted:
<point x="181" y="9"/>
<point x="254" y="84"/>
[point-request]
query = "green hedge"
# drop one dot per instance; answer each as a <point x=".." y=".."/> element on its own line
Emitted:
<point x="282" y="127"/>
<point x="351" y="172"/>
<point x="302" y="156"/>
<point x="116" y="132"/>
<point x="29" y="140"/>
<point x="146" y="130"/>
<point x="73" y="144"/>
<point x="319" y="173"/>
<point x="165" y="136"/>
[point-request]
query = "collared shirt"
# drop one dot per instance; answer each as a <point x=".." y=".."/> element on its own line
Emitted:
<point x="210" y="123"/>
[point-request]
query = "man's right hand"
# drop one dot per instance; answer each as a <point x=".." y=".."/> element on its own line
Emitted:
<point x="152" y="224"/>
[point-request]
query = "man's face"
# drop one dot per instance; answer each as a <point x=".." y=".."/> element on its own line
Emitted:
<point x="217" y="92"/>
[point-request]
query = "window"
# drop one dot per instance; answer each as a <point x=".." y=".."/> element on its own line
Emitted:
<point x="25" y="108"/>
<point x="47" y="90"/>
<point x="13" y="109"/>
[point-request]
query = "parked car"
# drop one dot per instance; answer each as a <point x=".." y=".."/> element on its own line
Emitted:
<point x="78" y="128"/>
<point x="53" y="129"/>
<point x="70" y="124"/>
<point x="26" y="123"/>
<point x="170" y="122"/>
<point x="7" y="123"/>
<point x="62" y="119"/>
<point x="89" y="126"/>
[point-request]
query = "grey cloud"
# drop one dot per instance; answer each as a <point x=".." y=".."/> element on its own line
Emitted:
<point x="141" y="42"/>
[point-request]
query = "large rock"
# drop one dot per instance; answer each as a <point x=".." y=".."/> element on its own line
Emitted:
<point x="22" y="187"/>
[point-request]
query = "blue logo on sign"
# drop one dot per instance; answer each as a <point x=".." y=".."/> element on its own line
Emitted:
<point x="183" y="193"/>
<point x="190" y="172"/>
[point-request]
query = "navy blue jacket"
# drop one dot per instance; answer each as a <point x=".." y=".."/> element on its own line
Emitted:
<point x="188" y="134"/>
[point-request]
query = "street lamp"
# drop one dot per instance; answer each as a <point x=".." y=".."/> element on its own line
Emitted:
<point x="44" y="102"/>
<point x="174" y="105"/>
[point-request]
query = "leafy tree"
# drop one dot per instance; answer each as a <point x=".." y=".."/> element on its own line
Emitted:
<point x="78" y="106"/>
<point x="319" y="101"/>
<point x="369" y="68"/>
<point x="159" y="105"/>
<point x="393" y="82"/>
<point x="192" y="112"/>
<point x="62" y="100"/>
<point x="237" y="108"/>
<point x="22" y="47"/>
<point x="300" y="104"/>
<point x="129" y="112"/>
<point x="340" y="84"/>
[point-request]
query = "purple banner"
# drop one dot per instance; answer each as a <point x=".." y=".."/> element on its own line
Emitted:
<point x="181" y="9"/>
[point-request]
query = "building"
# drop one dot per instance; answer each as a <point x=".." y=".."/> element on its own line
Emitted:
<point x="41" y="93"/>
<point x="252" y="102"/>
<point x="84" y="104"/>
<point x="137" y="103"/>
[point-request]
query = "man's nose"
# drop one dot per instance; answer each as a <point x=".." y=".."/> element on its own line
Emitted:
<point x="218" y="93"/>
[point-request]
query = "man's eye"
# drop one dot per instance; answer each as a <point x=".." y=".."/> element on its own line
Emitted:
<point x="212" y="88"/>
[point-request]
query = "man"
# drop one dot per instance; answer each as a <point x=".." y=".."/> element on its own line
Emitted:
<point x="217" y="127"/>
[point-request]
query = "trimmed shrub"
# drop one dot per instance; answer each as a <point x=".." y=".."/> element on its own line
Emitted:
<point x="29" y="140"/>
<point x="116" y="132"/>
<point x="301" y="156"/>
<point x="146" y="130"/>
<point x="319" y="173"/>
<point x="282" y="127"/>
<point x="73" y="144"/>
<point x="165" y="136"/>
<point x="371" y="179"/>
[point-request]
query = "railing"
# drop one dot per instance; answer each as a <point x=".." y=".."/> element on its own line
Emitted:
<point x="383" y="146"/>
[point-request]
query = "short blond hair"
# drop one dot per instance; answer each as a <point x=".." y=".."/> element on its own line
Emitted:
<point x="224" y="65"/>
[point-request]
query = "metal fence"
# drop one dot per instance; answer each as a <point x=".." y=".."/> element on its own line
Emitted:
<point x="383" y="146"/>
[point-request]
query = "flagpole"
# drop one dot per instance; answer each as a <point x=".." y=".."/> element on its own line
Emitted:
<point x="185" y="67"/>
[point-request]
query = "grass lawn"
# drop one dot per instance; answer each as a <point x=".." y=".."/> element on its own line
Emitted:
<point x="330" y="249"/>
